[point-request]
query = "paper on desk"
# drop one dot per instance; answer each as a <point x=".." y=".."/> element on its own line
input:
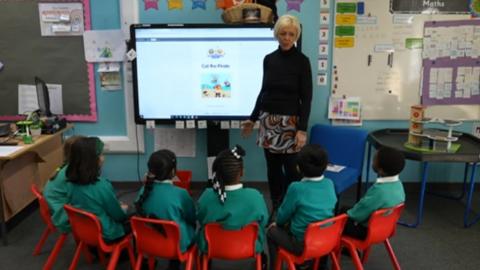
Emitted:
<point x="8" y="150"/>
<point x="335" y="168"/>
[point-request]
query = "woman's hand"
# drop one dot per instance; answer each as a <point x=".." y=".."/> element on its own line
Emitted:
<point x="300" y="139"/>
<point x="247" y="128"/>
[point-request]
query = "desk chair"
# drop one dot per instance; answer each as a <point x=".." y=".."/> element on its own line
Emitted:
<point x="231" y="244"/>
<point x="151" y="243"/>
<point x="88" y="231"/>
<point x="381" y="227"/>
<point x="345" y="146"/>
<point x="45" y="214"/>
<point x="321" y="238"/>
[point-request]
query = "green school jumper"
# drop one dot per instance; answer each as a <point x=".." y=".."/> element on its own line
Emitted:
<point x="242" y="206"/>
<point x="99" y="198"/>
<point x="169" y="202"/>
<point x="307" y="201"/>
<point x="380" y="195"/>
<point x="57" y="193"/>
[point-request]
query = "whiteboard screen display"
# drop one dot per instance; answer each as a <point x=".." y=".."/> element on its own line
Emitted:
<point x="198" y="71"/>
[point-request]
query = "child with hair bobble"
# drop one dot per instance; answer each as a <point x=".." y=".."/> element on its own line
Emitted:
<point x="159" y="198"/>
<point x="310" y="200"/>
<point x="228" y="202"/>
<point x="93" y="193"/>
<point x="58" y="190"/>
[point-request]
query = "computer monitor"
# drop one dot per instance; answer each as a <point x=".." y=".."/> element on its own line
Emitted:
<point x="43" y="98"/>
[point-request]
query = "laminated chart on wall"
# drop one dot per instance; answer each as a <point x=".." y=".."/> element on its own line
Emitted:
<point x="377" y="56"/>
<point x="344" y="108"/>
<point x="61" y="19"/>
<point x="451" y="62"/>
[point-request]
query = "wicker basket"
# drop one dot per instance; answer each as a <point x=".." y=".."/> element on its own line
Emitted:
<point x="248" y="13"/>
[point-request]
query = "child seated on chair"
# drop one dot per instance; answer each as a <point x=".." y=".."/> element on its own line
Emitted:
<point x="159" y="198"/>
<point x="386" y="192"/>
<point x="57" y="190"/>
<point x="310" y="200"/>
<point x="228" y="202"/>
<point x="93" y="193"/>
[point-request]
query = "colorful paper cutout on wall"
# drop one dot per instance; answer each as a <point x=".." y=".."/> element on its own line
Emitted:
<point x="148" y="4"/>
<point x="294" y="5"/>
<point x="199" y="4"/>
<point x="175" y="4"/>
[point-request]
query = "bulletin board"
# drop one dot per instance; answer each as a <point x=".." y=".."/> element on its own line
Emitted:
<point x="25" y="54"/>
<point x="377" y="56"/>
<point x="451" y="62"/>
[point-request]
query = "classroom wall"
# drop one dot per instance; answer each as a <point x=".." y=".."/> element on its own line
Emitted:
<point x="111" y="109"/>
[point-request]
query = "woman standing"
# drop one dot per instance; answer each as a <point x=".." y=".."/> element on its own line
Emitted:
<point x="283" y="108"/>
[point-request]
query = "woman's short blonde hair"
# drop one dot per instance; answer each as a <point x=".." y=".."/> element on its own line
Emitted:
<point x="285" y="21"/>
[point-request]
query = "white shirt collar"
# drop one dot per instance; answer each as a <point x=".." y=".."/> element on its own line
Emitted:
<point x="318" y="178"/>
<point x="165" y="181"/>
<point x="233" y="187"/>
<point x="388" y="179"/>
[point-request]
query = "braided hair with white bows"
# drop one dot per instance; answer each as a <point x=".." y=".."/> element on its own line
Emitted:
<point x="226" y="168"/>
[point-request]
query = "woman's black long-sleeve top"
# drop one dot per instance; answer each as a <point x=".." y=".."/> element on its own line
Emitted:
<point x="286" y="87"/>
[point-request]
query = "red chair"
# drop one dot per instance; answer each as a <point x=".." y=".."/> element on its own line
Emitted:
<point x="231" y="244"/>
<point x="381" y="226"/>
<point x="88" y="231"/>
<point x="45" y="214"/>
<point x="185" y="178"/>
<point x="151" y="243"/>
<point x="321" y="238"/>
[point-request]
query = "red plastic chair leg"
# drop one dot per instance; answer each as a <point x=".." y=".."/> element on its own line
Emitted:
<point x="365" y="255"/>
<point x="258" y="258"/>
<point x="40" y="243"/>
<point x="354" y="254"/>
<point x="393" y="258"/>
<point x="54" y="253"/>
<point x="335" y="262"/>
<point x="291" y="265"/>
<point x="278" y="263"/>
<point x="73" y="265"/>
<point x="189" y="263"/>
<point x="198" y="260"/>
<point x="101" y="256"/>
<point x="114" y="259"/>
<point x="151" y="263"/>
<point x="131" y="256"/>
<point x="205" y="262"/>
<point x="138" y="264"/>
<point x="316" y="262"/>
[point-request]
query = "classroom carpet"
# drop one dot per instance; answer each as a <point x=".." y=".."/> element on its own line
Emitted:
<point x="440" y="242"/>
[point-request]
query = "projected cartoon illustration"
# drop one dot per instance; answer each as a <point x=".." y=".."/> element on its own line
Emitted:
<point x="216" y="85"/>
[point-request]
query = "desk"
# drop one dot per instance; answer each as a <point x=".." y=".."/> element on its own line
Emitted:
<point x="32" y="164"/>
<point x="469" y="153"/>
